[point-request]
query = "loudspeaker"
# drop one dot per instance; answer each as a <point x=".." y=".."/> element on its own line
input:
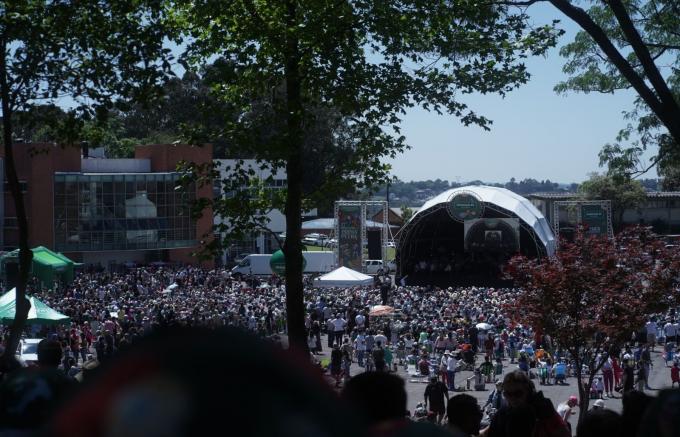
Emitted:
<point x="374" y="249"/>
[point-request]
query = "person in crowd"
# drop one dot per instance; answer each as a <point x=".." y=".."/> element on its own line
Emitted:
<point x="651" y="328"/>
<point x="379" y="357"/>
<point x="495" y="399"/>
<point x="635" y="405"/>
<point x="436" y="397"/>
<point x="600" y="422"/>
<point x="451" y="368"/>
<point x="598" y="405"/>
<point x="567" y="409"/>
<point x="628" y="378"/>
<point x="464" y="416"/>
<point x="675" y="375"/>
<point x="336" y="364"/>
<point x="380" y="401"/>
<point x="527" y="411"/>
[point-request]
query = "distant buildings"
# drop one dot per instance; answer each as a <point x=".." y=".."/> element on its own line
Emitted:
<point x="107" y="211"/>
<point x="264" y="241"/>
<point x="661" y="210"/>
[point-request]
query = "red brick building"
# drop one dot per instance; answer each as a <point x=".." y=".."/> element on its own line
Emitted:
<point x="105" y="211"/>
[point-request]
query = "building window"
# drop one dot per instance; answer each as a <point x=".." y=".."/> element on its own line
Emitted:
<point x="122" y="212"/>
<point x="23" y="185"/>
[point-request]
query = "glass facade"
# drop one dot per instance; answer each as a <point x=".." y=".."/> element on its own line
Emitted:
<point x="129" y="211"/>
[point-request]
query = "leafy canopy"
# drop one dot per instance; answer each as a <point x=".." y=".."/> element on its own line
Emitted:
<point x="361" y="64"/>
<point x="644" y="55"/>
<point x="92" y="52"/>
<point x="596" y="292"/>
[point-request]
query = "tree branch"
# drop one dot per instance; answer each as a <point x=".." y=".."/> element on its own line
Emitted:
<point x="672" y="110"/>
<point x="582" y="18"/>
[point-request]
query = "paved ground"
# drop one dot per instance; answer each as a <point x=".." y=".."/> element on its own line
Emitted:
<point x="415" y="387"/>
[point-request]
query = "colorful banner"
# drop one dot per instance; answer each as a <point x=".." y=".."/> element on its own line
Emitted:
<point x="349" y="238"/>
<point x="594" y="218"/>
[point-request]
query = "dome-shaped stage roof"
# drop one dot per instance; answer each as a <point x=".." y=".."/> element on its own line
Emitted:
<point x="466" y="235"/>
<point x="505" y="199"/>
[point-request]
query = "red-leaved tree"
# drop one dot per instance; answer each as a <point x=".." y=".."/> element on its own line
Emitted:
<point x="594" y="293"/>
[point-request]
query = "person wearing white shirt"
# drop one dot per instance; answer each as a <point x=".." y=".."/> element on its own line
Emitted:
<point x="451" y="366"/>
<point x="670" y="331"/>
<point x="338" y="328"/>
<point x="651" y="327"/>
<point x="360" y="321"/>
<point x="381" y="338"/>
<point x="408" y="342"/>
<point x="360" y="348"/>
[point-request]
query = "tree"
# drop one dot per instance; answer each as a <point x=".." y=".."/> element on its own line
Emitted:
<point x="406" y="213"/>
<point x="368" y="61"/>
<point x="92" y="52"/>
<point x="630" y="45"/>
<point x="624" y="193"/>
<point x="594" y="293"/>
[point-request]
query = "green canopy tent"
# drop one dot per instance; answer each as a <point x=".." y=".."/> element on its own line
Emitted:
<point x="47" y="266"/>
<point x="39" y="314"/>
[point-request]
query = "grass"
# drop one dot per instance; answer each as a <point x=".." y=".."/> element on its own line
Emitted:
<point x="317" y="249"/>
<point x="390" y="252"/>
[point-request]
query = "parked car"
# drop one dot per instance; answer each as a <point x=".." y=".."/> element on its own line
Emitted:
<point x="311" y="239"/>
<point x="315" y="239"/>
<point x="27" y="353"/>
<point x="373" y="266"/>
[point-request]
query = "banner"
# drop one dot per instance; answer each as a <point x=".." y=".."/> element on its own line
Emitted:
<point x="349" y="238"/>
<point x="594" y="218"/>
<point x="492" y="235"/>
<point x="465" y="206"/>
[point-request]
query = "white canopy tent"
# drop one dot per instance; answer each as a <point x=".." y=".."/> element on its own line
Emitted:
<point x="343" y="277"/>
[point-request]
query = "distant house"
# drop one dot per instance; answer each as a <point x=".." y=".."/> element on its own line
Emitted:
<point x="394" y="217"/>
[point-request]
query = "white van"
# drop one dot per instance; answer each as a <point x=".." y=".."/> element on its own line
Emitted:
<point x="373" y="266"/>
<point x="258" y="264"/>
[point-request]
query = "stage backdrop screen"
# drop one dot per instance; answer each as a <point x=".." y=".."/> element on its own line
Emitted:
<point x="492" y="235"/>
<point x="349" y="238"/>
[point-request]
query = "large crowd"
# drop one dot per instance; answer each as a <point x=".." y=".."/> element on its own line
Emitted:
<point x="431" y="332"/>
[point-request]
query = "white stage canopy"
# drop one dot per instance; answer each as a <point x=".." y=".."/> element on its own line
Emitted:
<point x="343" y="277"/>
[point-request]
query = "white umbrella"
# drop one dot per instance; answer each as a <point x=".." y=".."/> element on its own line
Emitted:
<point x="483" y="326"/>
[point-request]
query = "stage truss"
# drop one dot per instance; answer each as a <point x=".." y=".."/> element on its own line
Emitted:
<point x="384" y="229"/>
<point x="606" y="205"/>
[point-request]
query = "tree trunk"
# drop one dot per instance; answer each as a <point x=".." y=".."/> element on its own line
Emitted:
<point x="583" y="393"/>
<point x="293" y="247"/>
<point x="25" y="254"/>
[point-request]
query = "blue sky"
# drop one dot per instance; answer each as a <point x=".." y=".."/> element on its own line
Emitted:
<point x="536" y="133"/>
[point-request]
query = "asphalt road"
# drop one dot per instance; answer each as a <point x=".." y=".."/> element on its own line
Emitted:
<point x="415" y="387"/>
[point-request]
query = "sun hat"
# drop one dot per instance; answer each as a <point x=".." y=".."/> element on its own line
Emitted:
<point x="599" y="403"/>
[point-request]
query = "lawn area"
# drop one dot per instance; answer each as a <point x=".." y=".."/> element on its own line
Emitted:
<point x="390" y="253"/>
